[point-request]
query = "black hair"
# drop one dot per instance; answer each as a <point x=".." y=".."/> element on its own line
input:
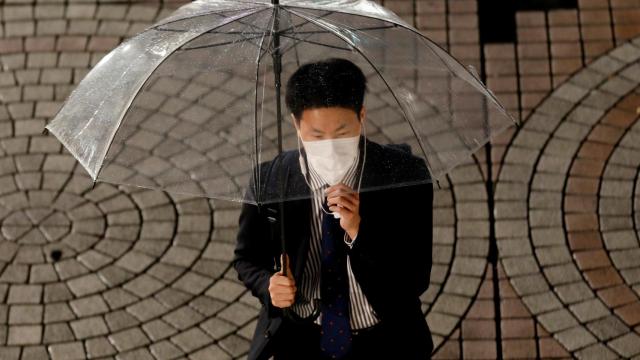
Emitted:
<point x="327" y="83"/>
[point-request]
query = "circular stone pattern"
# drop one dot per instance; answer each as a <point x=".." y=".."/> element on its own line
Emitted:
<point x="571" y="252"/>
<point x="107" y="270"/>
<point x="35" y="225"/>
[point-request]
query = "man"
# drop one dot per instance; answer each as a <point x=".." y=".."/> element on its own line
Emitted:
<point x="352" y="284"/>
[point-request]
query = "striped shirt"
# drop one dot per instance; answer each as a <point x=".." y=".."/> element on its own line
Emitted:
<point x="360" y="311"/>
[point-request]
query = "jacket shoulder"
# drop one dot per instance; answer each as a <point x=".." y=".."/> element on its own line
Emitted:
<point x="396" y="161"/>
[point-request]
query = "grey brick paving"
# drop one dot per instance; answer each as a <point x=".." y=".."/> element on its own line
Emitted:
<point x="564" y="303"/>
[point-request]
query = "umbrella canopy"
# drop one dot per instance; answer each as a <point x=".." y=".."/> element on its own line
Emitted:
<point x="192" y="105"/>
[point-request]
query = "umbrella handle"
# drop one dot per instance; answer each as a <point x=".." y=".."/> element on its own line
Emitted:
<point x="285" y="264"/>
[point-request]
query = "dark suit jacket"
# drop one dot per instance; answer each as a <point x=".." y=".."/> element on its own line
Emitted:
<point x="390" y="258"/>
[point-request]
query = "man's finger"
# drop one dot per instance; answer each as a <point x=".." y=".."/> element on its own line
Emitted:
<point x="336" y="187"/>
<point x="344" y="202"/>
<point x="279" y="294"/>
<point x="351" y="196"/>
<point x="283" y="280"/>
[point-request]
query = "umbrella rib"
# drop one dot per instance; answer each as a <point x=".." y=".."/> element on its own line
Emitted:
<point x="313" y="42"/>
<point x="241" y="33"/>
<point x="199" y="47"/>
<point x="212" y="12"/>
<point x="381" y="77"/>
<point x="145" y="82"/>
<point x="293" y="29"/>
<point x="257" y="174"/>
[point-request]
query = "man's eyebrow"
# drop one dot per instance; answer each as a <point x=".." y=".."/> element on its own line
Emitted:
<point x="344" y="125"/>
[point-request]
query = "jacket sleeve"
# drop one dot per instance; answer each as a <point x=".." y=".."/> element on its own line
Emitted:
<point x="392" y="257"/>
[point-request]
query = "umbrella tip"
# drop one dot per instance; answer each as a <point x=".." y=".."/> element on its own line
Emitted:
<point x="45" y="131"/>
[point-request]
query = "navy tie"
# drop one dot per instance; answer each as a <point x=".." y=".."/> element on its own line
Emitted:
<point x="335" y="340"/>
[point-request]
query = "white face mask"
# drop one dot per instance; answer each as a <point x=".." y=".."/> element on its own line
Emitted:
<point x="331" y="158"/>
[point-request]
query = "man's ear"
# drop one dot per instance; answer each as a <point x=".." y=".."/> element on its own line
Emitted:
<point x="363" y="114"/>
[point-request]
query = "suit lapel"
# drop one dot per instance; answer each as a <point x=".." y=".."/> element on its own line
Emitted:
<point x="298" y="217"/>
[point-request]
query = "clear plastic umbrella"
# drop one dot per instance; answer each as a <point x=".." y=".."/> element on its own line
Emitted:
<point x="193" y="104"/>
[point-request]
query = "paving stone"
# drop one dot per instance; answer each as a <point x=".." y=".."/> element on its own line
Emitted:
<point x="208" y="307"/>
<point x="89" y="327"/>
<point x="172" y="298"/>
<point x="143" y="286"/>
<point x="618" y="86"/>
<point x="165" y="350"/>
<point x="225" y="290"/>
<point x="34" y="353"/>
<point x="237" y="313"/>
<point x="137" y="354"/>
<point x="183" y="318"/>
<point x="57" y="312"/>
<point x="128" y="339"/>
<point x="158" y="329"/>
<point x="99" y="347"/>
<point x="530" y="284"/>
<point x="211" y="352"/>
<point x="631" y="72"/>
<point x="191" y="340"/>
<point x="514" y="247"/>
<point x="596" y="351"/>
<point x="554" y="107"/>
<point x="627" y="345"/>
<point x="554" y="255"/>
<point x="217" y="328"/>
<point x="10" y="352"/>
<point x="562" y="274"/>
<point x="67" y="351"/>
<point x="248" y="330"/>
<point x="570" y="92"/>
<point x="147" y="309"/>
<point x="548" y="236"/>
<point x="25" y="314"/>
<point x="606" y="65"/>
<point x="625" y="259"/>
<point x="575" y="338"/>
<point x="119" y="320"/>
<point x="56" y="333"/>
<point x="24" y="294"/>
<point x="589" y="310"/>
<point x="134" y="261"/>
<point x="608" y="328"/>
<point x="520" y="265"/>
<point x="24" y="335"/>
<point x="557" y="320"/>
<point x="86" y="285"/>
<point x="234" y="345"/>
<point x="542" y="302"/>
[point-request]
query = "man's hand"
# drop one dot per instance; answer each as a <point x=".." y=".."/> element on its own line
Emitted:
<point x="282" y="288"/>
<point x="344" y="200"/>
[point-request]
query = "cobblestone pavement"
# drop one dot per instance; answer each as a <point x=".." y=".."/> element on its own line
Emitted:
<point x="126" y="273"/>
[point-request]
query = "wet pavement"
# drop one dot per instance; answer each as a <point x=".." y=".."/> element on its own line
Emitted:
<point x="120" y="272"/>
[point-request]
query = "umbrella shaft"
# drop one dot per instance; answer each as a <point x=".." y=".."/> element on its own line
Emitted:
<point x="277" y="69"/>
